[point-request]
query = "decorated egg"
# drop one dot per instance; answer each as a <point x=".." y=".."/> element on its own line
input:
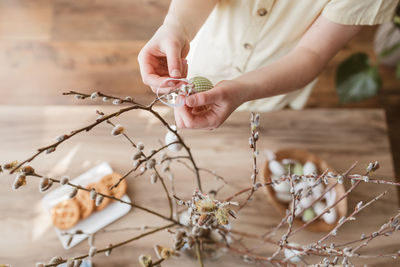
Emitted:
<point x="201" y="84"/>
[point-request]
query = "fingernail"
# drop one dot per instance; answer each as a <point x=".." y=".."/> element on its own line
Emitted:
<point x="190" y="101"/>
<point x="176" y="73"/>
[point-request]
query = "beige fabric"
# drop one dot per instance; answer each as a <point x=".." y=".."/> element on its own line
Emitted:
<point x="243" y="35"/>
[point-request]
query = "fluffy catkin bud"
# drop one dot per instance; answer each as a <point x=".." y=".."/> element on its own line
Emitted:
<point x="70" y="263"/>
<point x="94" y="95"/>
<point x="105" y="99"/>
<point x="39" y="264"/>
<point x="117" y="130"/>
<point x="69" y="240"/>
<point x="145" y="260"/>
<point x="128" y="98"/>
<point x="140" y="146"/>
<point x="117" y="101"/>
<point x="93" y="194"/>
<point x="19" y="181"/>
<point x="28" y="170"/>
<point x="73" y="192"/>
<point x="92" y="251"/>
<point x="64" y="180"/>
<point x="50" y="150"/>
<point x="61" y="138"/>
<point x="108" y="252"/>
<point x="45" y="184"/>
<point x="99" y="199"/>
<point x="137" y="155"/>
<point x="153" y="178"/>
<point x="77" y="263"/>
<point x="150" y="164"/>
<point x="56" y="260"/>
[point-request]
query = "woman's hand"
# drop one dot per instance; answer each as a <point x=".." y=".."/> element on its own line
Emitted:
<point x="164" y="55"/>
<point x="208" y="110"/>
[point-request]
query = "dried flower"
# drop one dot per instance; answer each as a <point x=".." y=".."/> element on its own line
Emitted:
<point x="73" y="192"/>
<point x="117" y="130"/>
<point x="222" y="215"/>
<point x="99" y="199"/>
<point x="64" y="180"/>
<point x="10" y="165"/>
<point x="94" y="95"/>
<point x="19" y="181"/>
<point x="205" y="205"/>
<point x="145" y="260"/>
<point x="28" y="170"/>
<point x="92" y="251"/>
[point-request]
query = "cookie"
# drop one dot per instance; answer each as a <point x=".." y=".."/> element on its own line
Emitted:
<point x="65" y="214"/>
<point x="112" y="179"/>
<point x="86" y="205"/>
<point x="103" y="189"/>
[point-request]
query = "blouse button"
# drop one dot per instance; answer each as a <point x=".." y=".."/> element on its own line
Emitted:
<point x="247" y="46"/>
<point x="262" y="12"/>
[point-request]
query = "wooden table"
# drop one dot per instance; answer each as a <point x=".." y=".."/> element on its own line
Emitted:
<point x="339" y="136"/>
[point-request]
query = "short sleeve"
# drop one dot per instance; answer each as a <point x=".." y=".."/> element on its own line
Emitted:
<point x="360" y="12"/>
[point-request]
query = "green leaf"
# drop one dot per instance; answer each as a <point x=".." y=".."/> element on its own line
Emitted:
<point x="398" y="71"/>
<point x="356" y="79"/>
<point x="390" y="50"/>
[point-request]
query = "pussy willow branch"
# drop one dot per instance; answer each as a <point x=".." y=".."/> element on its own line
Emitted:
<point x="354" y="186"/>
<point x="290" y="220"/>
<point x="155" y="169"/>
<point x="348" y="218"/>
<point x="112" y="197"/>
<point x="329" y="188"/>
<point x="371" y="237"/>
<point x="75" y="132"/>
<point x="253" y="143"/>
<point x="148" y="108"/>
<point x="118" y="244"/>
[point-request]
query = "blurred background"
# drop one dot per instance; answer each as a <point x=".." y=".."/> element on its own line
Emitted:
<point x="51" y="46"/>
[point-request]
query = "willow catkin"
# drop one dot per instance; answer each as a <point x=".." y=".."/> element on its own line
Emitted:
<point x="73" y="192"/>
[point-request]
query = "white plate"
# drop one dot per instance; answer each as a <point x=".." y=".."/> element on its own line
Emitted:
<point x="96" y="220"/>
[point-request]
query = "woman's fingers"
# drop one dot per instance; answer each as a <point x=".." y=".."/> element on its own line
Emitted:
<point x="174" y="60"/>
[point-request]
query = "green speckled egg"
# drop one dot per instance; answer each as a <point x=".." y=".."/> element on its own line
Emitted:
<point x="201" y="84"/>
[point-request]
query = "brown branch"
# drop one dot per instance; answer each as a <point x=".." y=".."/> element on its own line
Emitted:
<point x="116" y="245"/>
